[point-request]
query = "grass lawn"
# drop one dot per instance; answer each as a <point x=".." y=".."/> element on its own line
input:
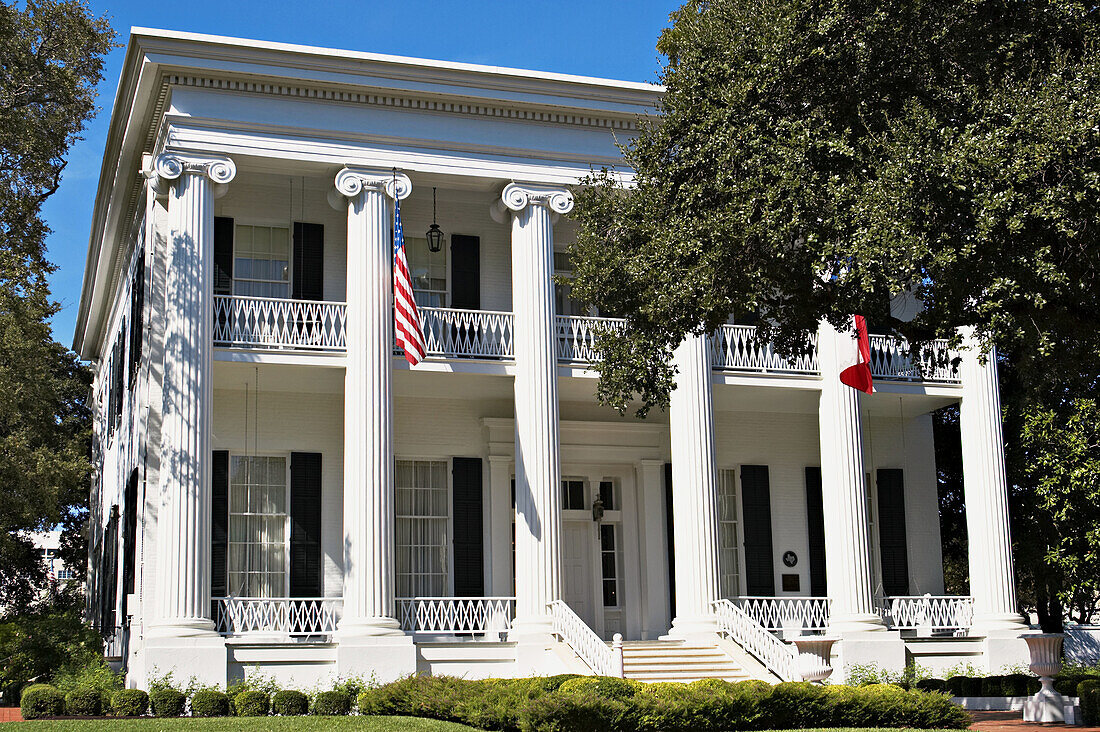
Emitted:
<point x="232" y="724"/>
<point x="277" y="724"/>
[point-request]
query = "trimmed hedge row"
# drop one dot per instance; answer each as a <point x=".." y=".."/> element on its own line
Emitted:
<point x="565" y="702"/>
<point x="1009" y="685"/>
<point x="1089" y="693"/>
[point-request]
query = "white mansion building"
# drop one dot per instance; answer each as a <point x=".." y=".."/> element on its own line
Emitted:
<point x="277" y="489"/>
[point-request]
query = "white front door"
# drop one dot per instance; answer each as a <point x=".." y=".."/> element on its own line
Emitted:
<point x="577" y="582"/>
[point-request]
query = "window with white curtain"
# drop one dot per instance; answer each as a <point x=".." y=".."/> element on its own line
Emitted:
<point x="423" y="510"/>
<point x="428" y="272"/>
<point x="261" y="261"/>
<point x="259" y="526"/>
<point x="729" y="561"/>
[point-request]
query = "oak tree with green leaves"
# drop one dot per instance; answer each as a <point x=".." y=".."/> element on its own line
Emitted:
<point x="52" y="55"/>
<point x="811" y="160"/>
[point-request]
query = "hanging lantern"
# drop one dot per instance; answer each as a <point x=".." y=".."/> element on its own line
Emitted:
<point x="434" y="234"/>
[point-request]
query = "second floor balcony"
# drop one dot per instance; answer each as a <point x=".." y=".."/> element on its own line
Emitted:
<point x="285" y="325"/>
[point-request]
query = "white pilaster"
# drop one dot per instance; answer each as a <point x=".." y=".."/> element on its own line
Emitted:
<point x="992" y="581"/>
<point x="533" y="209"/>
<point x="181" y="633"/>
<point x="369" y="614"/>
<point x="694" y="493"/>
<point x="844" y="494"/>
<point x="655" y="619"/>
<point x="501" y="514"/>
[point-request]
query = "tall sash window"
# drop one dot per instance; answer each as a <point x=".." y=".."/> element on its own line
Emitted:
<point x="729" y="561"/>
<point x="259" y="526"/>
<point x="423" y="513"/>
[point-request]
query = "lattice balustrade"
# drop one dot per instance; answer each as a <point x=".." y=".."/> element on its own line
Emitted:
<point x="778" y="657"/>
<point x="576" y="336"/>
<point x="290" y="616"/>
<point x="929" y="612"/>
<point x="736" y="348"/>
<point x="787" y="613"/>
<point x="456" y="615"/>
<point x="892" y="360"/>
<point x="275" y="323"/>
<point x="452" y="333"/>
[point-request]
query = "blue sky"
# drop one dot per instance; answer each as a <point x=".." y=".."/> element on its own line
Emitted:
<point x="608" y="38"/>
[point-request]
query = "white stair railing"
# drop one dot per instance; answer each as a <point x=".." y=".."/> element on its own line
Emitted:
<point x="290" y="616"/>
<point x="270" y="322"/>
<point x="787" y="613"/>
<point x="603" y="659"/>
<point x="467" y="333"/>
<point x="778" y="657"/>
<point x="576" y="336"/>
<point x="892" y="360"/>
<point x="736" y="348"/>
<point x="930" y="612"/>
<point x="456" y="615"/>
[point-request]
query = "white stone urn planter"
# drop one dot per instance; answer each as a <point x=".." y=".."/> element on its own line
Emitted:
<point x="814" y="657"/>
<point x="1046" y="661"/>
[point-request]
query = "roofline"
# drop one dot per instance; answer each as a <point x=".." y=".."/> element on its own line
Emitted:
<point x="410" y="62"/>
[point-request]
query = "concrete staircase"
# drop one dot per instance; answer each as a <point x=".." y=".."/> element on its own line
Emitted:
<point x="652" y="661"/>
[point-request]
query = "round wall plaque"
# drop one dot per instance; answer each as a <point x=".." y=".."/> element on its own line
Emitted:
<point x="790" y="558"/>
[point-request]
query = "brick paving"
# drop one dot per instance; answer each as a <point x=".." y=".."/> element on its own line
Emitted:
<point x="10" y="714"/>
<point x="1014" y="722"/>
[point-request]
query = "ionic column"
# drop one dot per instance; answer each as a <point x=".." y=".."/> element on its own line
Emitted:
<point x="844" y="495"/>
<point x="694" y="493"/>
<point x="992" y="581"/>
<point x="368" y="404"/>
<point x="182" y="606"/>
<point x="533" y="209"/>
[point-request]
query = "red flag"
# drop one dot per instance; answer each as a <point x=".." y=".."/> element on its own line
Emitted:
<point x="855" y="358"/>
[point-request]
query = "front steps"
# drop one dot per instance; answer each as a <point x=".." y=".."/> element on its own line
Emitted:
<point x="652" y="661"/>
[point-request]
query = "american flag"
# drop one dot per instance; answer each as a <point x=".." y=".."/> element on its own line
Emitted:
<point x="406" y="318"/>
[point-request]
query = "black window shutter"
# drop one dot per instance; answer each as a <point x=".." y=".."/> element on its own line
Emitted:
<point x="468" y="548"/>
<point x="465" y="272"/>
<point x="891" y="531"/>
<point x="137" y="317"/>
<point x="756" y="506"/>
<point x="219" y="525"/>
<point x="671" y="547"/>
<point x="223" y="255"/>
<point x="305" y="524"/>
<point x="815" y="525"/>
<point x="309" y="261"/>
<point x="109" y="586"/>
<point x="129" y="537"/>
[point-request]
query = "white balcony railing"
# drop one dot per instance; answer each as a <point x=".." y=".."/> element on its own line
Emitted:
<point x="266" y="322"/>
<point x="450" y="333"/>
<point x="603" y="659"/>
<point x="891" y="360"/>
<point x="928" y="612"/>
<point x="576" y="336"/>
<point x="290" y="616"/>
<point x="456" y="615"/>
<point x="787" y="613"/>
<point x="736" y="348"/>
<point x="778" y="657"/>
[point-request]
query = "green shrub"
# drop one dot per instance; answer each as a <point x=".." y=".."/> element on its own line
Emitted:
<point x="209" y="703"/>
<point x="607" y="687"/>
<point x="41" y="700"/>
<point x="84" y="702"/>
<point x="1020" y="685"/>
<point x="581" y="710"/>
<point x="129" y="703"/>
<point x="167" y="702"/>
<point x="253" y="703"/>
<point x="290" y="703"/>
<point x="992" y="686"/>
<point x="332" y="704"/>
<point x="971" y="686"/>
<point x="1088" y="692"/>
<point x="799" y="704"/>
<point x="92" y="674"/>
<point x="954" y="685"/>
<point x="932" y="685"/>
